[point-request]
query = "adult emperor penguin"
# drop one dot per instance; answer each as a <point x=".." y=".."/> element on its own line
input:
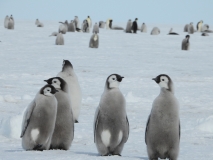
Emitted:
<point x="89" y="20"/>
<point x="102" y="24"/>
<point x="135" y="26"/>
<point x="71" y="27"/>
<point x="95" y="28"/>
<point x="85" y="26"/>
<point x="111" y="126"/>
<point x="59" y="39"/>
<point x="38" y="23"/>
<point x="71" y="79"/>
<point x="11" y="23"/>
<point x="6" y="20"/>
<point x="129" y="26"/>
<point x="172" y="33"/>
<point x="185" y="43"/>
<point x="143" y="28"/>
<point x="162" y="135"/>
<point x="94" y="41"/>
<point x="191" y="29"/>
<point x="199" y="26"/>
<point x="155" y="31"/>
<point x="64" y="126"/>
<point x="186" y="28"/>
<point x="39" y="120"/>
<point x="109" y="25"/>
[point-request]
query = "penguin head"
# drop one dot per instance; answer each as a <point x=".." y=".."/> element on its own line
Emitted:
<point x="66" y="64"/>
<point x="113" y="81"/>
<point x="57" y="82"/>
<point x="88" y="16"/>
<point x="164" y="81"/>
<point x="136" y="19"/>
<point x="187" y="36"/>
<point x="48" y="90"/>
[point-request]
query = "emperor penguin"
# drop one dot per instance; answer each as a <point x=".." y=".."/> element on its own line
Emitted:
<point x="172" y="33"/>
<point x="186" y="28"/>
<point x="135" y="26"/>
<point x="6" y="20"/>
<point x="109" y="25"/>
<point x="94" y="41"/>
<point x="64" y="126"/>
<point x="162" y="134"/>
<point x="39" y="120"/>
<point x="155" y="31"/>
<point x="199" y="26"/>
<point x="205" y="27"/>
<point x="71" y="27"/>
<point x="85" y="26"/>
<point x="71" y="79"/>
<point x="102" y="24"/>
<point x="111" y="126"/>
<point x="11" y="23"/>
<point x="95" y="28"/>
<point x="38" y="23"/>
<point x="63" y="28"/>
<point x="204" y="34"/>
<point x="89" y="20"/>
<point x="143" y="28"/>
<point x="185" y="43"/>
<point x="76" y="22"/>
<point x="59" y="39"/>
<point x="129" y="26"/>
<point x="191" y="29"/>
<point x="53" y="34"/>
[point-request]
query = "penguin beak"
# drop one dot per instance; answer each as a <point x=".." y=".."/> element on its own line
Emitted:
<point x="46" y="81"/>
<point x="120" y="79"/>
<point x="154" y="79"/>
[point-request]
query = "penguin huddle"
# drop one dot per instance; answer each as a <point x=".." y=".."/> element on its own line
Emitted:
<point x="48" y="121"/>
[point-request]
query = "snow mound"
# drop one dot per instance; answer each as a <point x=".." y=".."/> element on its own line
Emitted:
<point x="131" y="98"/>
<point x="206" y="125"/>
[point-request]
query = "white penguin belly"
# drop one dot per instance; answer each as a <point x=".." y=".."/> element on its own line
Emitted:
<point x="34" y="134"/>
<point x="105" y="137"/>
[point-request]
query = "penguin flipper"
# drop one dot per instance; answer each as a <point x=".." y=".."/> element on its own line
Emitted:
<point x="96" y="121"/>
<point x="26" y="118"/>
<point x="147" y="125"/>
<point x="127" y="129"/>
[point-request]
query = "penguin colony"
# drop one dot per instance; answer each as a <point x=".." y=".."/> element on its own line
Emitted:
<point x="48" y="122"/>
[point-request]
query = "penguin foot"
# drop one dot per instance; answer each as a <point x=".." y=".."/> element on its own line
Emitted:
<point x="76" y="121"/>
<point x="38" y="147"/>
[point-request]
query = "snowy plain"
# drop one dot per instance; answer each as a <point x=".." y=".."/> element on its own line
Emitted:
<point x="28" y="56"/>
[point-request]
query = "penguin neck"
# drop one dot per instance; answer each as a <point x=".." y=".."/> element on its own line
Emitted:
<point x="164" y="90"/>
<point x="68" y="69"/>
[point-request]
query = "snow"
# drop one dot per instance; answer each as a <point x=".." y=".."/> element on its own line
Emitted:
<point x="28" y="56"/>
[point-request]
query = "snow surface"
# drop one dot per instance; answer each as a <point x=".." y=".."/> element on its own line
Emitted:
<point x="28" y="56"/>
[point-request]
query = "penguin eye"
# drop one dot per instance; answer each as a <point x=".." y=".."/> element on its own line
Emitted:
<point x="48" y="90"/>
<point x="162" y="79"/>
<point x="54" y="81"/>
<point x="113" y="78"/>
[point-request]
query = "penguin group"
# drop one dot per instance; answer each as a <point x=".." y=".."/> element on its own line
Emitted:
<point x="9" y="22"/>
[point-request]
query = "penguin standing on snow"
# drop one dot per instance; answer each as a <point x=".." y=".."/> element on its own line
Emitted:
<point x="102" y="24"/>
<point x="186" y="28"/>
<point x="185" y="43"/>
<point x="94" y="41"/>
<point x="71" y="79"/>
<point x="71" y="27"/>
<point x="111" y="126"/>
<point x="85" y="26"/>
<point x="39" y="120"/>
<point x="155" y="31"/>
<point x="199" y="26"/>
<point x="143" y="28"/>
<point x="191" y="29"/>
<point x="95" y="28"/>
<point x="11" y="23"/>
<point x="89" y="20"/>
<point x="162" y="135"/>
<point x="59" y="39"/>
<point x="64" y="126"/>
<point x="6" y="20"/>
<point x="129" y="26"/>
<point x="135" y="26"/>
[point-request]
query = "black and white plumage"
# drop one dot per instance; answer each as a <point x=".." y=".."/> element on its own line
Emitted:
<point x="39" y="120"/>
<point x="135" y="26"/>
<point x="110" y="26"/>
<point x="85" y="27"/>
<point x="95" y="28"/>
<point x="111" y="126"/>
<point x="76" y="22"/>
<point x="204" y="34"/>
<point x="94" y="41"/>
<point x="89" y="20"/>
<point x="186" y="43"/>
<point x="172" y="33"/>
<point x="102" y="24"/>
<point x="162" y="134"/>
<point x="199" y="26"/>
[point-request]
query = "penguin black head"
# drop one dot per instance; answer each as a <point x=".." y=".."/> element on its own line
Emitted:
<point x="48" y="90"/>
<point x="136" y="19"/>
<point x="188" y="36"/>
<point x="113" y="81"/>
<point x="66" y="63"/>
<point x="88" y="16"/>
<point x="57" y="82"/>
<point x="164" y="81"/>
<point x="143" y="23"/>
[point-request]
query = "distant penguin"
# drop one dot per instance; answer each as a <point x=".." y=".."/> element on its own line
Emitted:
<point x="143" y="28"/>
<point x="71" y="27"/>
<point x="64" y="126"/>
<point x="129" y="26"/>
<point x="11" y="23"/>
<point x="6" y="20"/>
<point x="185" y="43"/>
<point x="172" y="33"/>
<point x="186" y="28"/>
<point x="59" y="39"/>
<point x="162" y="134"/>
<point x="95" y="28"/>
<point x="102" y="24"/>
<point x="205" y="27"/>
<point x="64" y="27"/>
<point x="89" y="21"/>
<point x="191" y="29"/>
<point x="135" y="26"/>
<point x="199" y="26"/>
<point x="94" y="41"/>
<point x="109" y="25"/>
<point x="39" y="120"/>
<point x="38" y="23"/>
<point x="71" y="79"/>
<point x="111" y="126"/>
<point x="204" y="34"/>
<point x="54" y="34"/>
<point x="85" y="26"/>
<point x="155" y="31"/>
